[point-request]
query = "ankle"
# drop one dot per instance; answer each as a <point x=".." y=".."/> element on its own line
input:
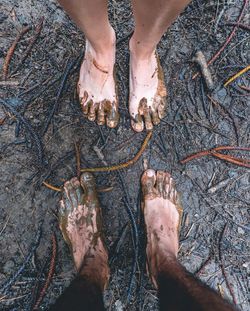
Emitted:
<point x="95" y="268"/>
<point x="140" y="50"/>
<point x="103" y="48"/>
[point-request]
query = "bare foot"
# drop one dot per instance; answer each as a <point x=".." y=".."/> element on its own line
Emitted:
<point x="147" y="98"/>
<point x="96" y="86"/>
<point x="80" y="223"/>
<point x="162" y="214"/>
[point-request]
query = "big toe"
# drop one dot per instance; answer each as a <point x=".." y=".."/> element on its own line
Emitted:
<point x="137" y="124"/>
<point x="72" y="194"/>
<point x="87" y="182"/>
<point x="148" y="180"/>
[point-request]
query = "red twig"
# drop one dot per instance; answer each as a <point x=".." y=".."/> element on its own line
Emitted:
<point x="234" y="160"/>
<point x="50" y="273"/>
<point x="243" y="26"/>
<point x="229" y="38"/>
<point x="12" y="49"/>
<point x="214" y="152"/>
<point x="222" y="266"/>
<point x="32" y="42"/>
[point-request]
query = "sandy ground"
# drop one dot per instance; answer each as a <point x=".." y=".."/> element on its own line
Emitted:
<point x="215" y="194"/>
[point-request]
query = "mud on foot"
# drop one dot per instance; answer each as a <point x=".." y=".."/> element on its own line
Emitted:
<point x="147" y="94"/>
<point x="162" y="214"/>
<point x="97" y="87"/>
<point x="80" y="224"/>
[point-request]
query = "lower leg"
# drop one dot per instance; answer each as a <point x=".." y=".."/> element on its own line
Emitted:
<point x="80" y="223"/>
<point x="178" y="289"/>
<point x="152" y="19"/>
<point x="91" y="16"/>
<point x="148" y="93"/>
<point x="82" y="294"/>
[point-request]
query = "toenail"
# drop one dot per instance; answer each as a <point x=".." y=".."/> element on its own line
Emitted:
<point x="150" y="172"/>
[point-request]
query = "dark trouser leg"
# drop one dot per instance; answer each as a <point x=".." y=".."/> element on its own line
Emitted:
<point x="81" y="295"/>
<point x="179" y="290"/>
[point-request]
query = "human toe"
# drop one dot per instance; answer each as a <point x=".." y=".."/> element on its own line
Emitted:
<point x="112" y="116"/>
<point x="148" y="180"/>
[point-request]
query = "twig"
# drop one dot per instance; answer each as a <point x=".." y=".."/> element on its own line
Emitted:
<point x="135" y="234"/>
<point x="78" y="160"/>
<point x="51" y="186"/>
<point x="222" y="266"/>
<point x="217" y="54"/>
<point x="129" y="34"/>
<point x="245" y="88"/>
<point x="29" y="48"/>
<point x="50" y="273"/>
<point x="203" y="265"/>
<point x="67" y="71"/>
<point x="12" y="49"/>
<point x="200" y="59"/>
<point x="6" y="286"/>
<point x="123" y="165"/>
<point x="27" y="125"/>
<point x="237" y="75"/>
<point x="214" y="152"/>
<point x="243" y="26"/>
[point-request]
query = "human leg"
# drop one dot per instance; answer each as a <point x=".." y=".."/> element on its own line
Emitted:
<point x="147" y="89"/>
<point x="178" y="289"/>
<point x="96" y="85"/>
<point x="80" y="223"/>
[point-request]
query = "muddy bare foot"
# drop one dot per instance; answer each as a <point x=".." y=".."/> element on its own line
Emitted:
<point x="80" y="224"/>
<point x="147" y="94"/>
<point x="162" y="214"/>
<point x="97" y="88"/>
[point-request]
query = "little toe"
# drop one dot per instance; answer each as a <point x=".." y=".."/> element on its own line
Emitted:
<point x="112" y="116"/>
<point x="172" y="192"/>
<point x="162" y="108"/>
<point x="148" y="180"/>
<point x="155" y="117"/>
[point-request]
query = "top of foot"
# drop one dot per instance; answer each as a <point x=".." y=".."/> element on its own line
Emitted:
<point x="80" y="223"/>
<point x="147" y="94"/>
<point x="96" y="86"/>
<point x="162" y="214"/>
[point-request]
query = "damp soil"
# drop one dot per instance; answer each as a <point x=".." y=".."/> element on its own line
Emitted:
<point x="41" y="119"/>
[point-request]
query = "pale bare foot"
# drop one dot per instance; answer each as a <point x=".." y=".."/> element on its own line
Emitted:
<point x="80" y="224"/>
<point x="97" y="87"/>
<point x="147" y="91"/>
<point x="162" y="214"/>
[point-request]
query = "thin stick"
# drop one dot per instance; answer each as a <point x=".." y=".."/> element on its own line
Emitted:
<point x="222" y="266"/>
<point x="211" y="151"/>
<point x="228" y="39"/>
<point x="78" y="160"/>
<point x="123" y="165"/>
<point x="237" y="75"/>
<point x="12" y="49"/>
<point x="50" y="273"/>
<point x="32" y="42"/>
<point x="51" y="186"/>
<point x="234" y="160"/>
